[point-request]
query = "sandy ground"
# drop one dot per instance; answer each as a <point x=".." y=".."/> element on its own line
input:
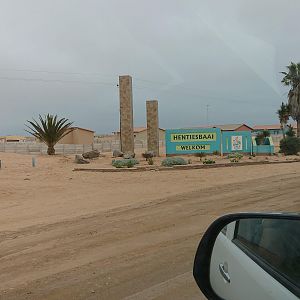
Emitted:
<point x="77" y="235"/>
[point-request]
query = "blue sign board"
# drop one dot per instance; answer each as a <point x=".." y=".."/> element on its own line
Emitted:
<point x="189" y="141"/>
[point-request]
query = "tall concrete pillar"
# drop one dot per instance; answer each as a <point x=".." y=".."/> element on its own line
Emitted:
<point x="126" y="114"/>
<point x="152" y="126"/>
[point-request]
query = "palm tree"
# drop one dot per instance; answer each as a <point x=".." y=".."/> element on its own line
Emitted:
<point x="50" y="130"/>
<point x="292" y="79"/>
<point x="283" y="115"/>
<point x="294" y="104"/>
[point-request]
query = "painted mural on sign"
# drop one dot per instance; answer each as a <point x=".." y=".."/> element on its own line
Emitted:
<point x="236" y="143"/>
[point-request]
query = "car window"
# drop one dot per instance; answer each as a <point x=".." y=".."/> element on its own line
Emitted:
<point x="275" y="242"/>
<point x="224" y="230"/>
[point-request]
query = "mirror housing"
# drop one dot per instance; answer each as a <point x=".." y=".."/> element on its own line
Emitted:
<point x="202" y="262"/>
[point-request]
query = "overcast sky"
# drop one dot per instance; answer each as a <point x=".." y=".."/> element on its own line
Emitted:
<point x="65" y="56"/>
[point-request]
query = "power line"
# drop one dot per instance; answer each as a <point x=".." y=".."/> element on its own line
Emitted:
<point x="55" y="72"/>
<point x="56" y="80"/>
<point x="113" y="84"/>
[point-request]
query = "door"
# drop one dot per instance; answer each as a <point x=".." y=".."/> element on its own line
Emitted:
<point x="255" y="259"/>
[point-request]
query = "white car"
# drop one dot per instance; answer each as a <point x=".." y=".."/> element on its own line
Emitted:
<point x="250" y="256"/>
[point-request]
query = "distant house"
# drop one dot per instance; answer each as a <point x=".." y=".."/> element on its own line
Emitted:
<point x="78" y="135"/>
<point x="274" y="129"/>
<point x="140" y="134"/>
<point x="13" y="139"/>
<point x="229" y="127"/>
<point x="234" y="127"/>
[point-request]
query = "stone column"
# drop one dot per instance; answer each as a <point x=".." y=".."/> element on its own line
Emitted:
<point x="126" y="114"/>
<point x="152" y="126"/>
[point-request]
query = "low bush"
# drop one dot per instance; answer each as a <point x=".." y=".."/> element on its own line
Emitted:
<point x="148" y="154"/>
<point x="208" y="161"/>
<point x="290" y="146"/>
<point x="124" y="163"/>
<point x="216" y="152"/>
<point x="173" y="161"/>
<point x="235" y="155"/>
<point x="150" y="161"/>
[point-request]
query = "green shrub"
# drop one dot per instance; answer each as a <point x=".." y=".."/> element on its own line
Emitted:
<point x="173" y="161"/>
<point x="260" y="139"/>
<point x="236" y="155"/>
<point x="208" y="161"/>
<point x="266" y="133"/>
<point x="290" y="146"/>
<point x="124" y="163"/>
<point x="150" y="161"/>
<point x="216" y="152"/>
<point x="290" y="132"/>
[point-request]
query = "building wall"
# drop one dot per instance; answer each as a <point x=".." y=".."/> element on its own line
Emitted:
<point x="227" y="141"/>
<point x="142" y="136"/>
<point x="78" y="136"/>
<point x="68" y="139"/>
<point x="263" y="149"/>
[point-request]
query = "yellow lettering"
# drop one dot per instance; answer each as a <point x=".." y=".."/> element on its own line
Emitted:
<point x="193" y="137"/>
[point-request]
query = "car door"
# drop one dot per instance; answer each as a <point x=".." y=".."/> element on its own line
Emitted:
<point x="256" y="260"/>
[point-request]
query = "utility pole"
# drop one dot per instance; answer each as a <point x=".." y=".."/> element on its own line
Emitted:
<point x="207" y="107"/>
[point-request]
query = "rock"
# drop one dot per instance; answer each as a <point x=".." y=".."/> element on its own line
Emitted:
<point x="80" y="160"/>
<point x="91" y="154"/>
<point x="129" y="155"/>
<point x="148" y="154"/>
<point x="117" y="153"/>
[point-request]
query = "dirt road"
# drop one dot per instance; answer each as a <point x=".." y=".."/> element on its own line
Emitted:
<point x="142" y="250"/>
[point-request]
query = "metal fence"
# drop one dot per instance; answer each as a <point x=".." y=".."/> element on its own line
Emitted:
<point x="66" y="149"/>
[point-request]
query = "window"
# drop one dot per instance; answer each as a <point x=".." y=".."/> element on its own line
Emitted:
<point x="274" y="243"/>
<point x="224" y="230"/>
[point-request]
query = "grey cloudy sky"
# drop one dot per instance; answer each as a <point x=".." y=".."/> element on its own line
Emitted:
<point x="64" y="57"/>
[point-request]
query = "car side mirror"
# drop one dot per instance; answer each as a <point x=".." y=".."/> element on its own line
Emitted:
<point x="256" y="253"/>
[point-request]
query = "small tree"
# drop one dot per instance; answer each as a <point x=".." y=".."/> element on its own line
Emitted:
<point x="290" y="145"/>
<point x="283" y="114"/>
<point x="290" y="132"/>
<point x="49" y="130"/>
<point x="266" y="133"/>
